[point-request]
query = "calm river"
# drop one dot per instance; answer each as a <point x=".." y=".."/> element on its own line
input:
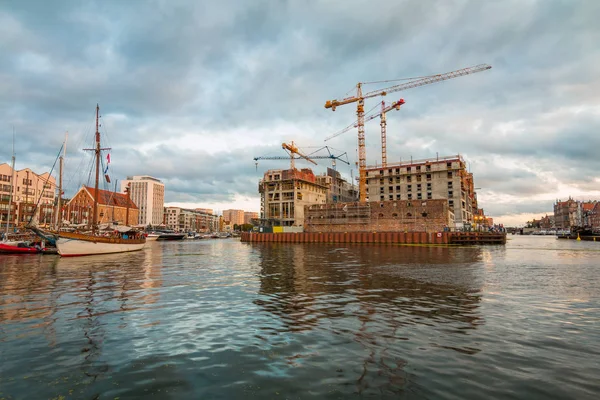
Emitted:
<point x="220" y="319"/>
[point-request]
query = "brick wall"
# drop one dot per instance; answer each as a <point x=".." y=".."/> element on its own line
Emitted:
<point x="385" y="216"/>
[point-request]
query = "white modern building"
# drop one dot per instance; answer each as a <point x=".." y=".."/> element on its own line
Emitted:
<point x="148" y="194"/>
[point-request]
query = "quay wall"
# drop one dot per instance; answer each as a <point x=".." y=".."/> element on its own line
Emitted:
<point x="429" y="238"/>
<point x="385" y="216"/>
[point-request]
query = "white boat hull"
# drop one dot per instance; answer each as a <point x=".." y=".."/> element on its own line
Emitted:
<point x="151" y="237"/>
<point x="75" y="247"/>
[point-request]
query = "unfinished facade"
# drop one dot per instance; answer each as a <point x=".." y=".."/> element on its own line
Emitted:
<point x="384" y="216"/>
<point x="339" y="190"/>
<point x="440" y="178"/>
<point x="285" y="192"/>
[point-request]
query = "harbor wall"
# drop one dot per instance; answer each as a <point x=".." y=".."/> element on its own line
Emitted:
<point x="407" y="238"/>
<point x="385" y="216"/>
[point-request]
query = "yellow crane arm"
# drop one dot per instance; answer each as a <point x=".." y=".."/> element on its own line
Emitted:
<point x="426" y="80"/>
<point x="294" y="150"/>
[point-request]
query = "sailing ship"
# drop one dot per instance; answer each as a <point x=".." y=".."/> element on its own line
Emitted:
<point x="117" y="239"/>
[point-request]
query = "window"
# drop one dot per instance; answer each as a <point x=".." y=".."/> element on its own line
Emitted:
<point x="449" y="175"/>
<point x="398" y="197"/>
<point x="451" y="203"/>
<point x="397" y="170"/>
<point x="391" y="197"/>
<point x="449" y="185"/>
<point x="409" y="188"/>
<point x="398" y="188"/>
<point x="409" y="196"/>
<point x="409" y="179"/>
<point x="382" y="198"/>
<point x="390" y="189"/>
<point x="450" y="193"/>
<point x="418" y="178"/>
<point x="428" y="176"/>
<point x="418" y="168"/>
<point x="428" y="167"/>
<point x="380" y="215"/>
<point x="418" y="186"/>
<point x="380" y="172"/>
<point x="408" y="214"/>
<point x="429" y="186"/>
<point x="419" y="196"/>
<point x="391" y="180"/>
<point x="429" y="195"/>
<point x="448" y="165"/>
<point x="390" y="171"/>
<point x="381" y="181"/>
<point x="407" y="169"/>
<point x="394" y="215"/>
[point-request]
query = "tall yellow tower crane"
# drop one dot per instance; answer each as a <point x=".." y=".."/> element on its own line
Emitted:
<point x="360" y="110"/>
<point x="292" y="149"/>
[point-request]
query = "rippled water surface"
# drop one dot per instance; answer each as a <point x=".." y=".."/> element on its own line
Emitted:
<point x="222" y="319"/>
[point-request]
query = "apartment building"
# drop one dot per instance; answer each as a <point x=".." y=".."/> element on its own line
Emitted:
<point x="339" y="190"/>
<point x="249" y="216"/>
<point x="236" y="217"/>
<point x="148" y="194"/>
<point x="28" y="189"/>
<point x="186" y="220"/>
<point x="285" y="192"/>
<point x="427" y="179"/>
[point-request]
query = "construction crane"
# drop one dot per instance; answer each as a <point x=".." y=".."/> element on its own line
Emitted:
<point x="360" y="111"/>
<point x="384" y="110"/>
<point x="293" y="150"/>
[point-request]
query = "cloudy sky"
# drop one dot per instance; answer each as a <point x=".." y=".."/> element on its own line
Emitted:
<point x="191" y="91"/>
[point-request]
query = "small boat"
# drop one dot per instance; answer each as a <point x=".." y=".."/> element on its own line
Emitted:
<point x="19" y="248"/>
<point x="172" y="236"/>
<point x="152" y="236"/>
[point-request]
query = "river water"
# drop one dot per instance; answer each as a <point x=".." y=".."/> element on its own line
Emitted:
<point x="221" y="319"/>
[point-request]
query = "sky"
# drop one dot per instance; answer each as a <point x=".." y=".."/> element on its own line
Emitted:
<point x="191" y="92"/>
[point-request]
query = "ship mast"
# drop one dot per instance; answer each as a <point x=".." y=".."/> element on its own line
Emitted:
<point x="12" y="185"/>
<point x="97" y="150"/>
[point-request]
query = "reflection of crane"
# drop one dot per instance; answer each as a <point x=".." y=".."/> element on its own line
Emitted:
<point x="360" y="112"/>
<point x="394" y="106"/>
<point x="310" y="157"/>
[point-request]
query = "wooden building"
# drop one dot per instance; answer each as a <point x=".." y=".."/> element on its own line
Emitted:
<point x="112" y="207"/>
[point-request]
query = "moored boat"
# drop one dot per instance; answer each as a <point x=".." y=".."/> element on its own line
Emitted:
<point x="118" y="239"/>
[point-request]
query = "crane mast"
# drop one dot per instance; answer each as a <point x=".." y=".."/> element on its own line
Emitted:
<point x="360" y="100"/>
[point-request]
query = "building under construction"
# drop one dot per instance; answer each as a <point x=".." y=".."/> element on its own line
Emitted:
<point x="440" y="178"/>
<point x="284" y="193"/>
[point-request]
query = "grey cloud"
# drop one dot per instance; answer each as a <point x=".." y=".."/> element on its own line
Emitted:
<point x="209" y="70"/>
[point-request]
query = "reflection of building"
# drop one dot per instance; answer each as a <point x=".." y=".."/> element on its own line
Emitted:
<point x="444" y="178"/>
<point x="284" y="193"/>
<point x="148" y="194"/>
<point x="236" y="217"/>
<point x="186" y="220"/>
<point x="289" y="288"/>
<point x="28" y="187"/>
<point x="112" y="207"/>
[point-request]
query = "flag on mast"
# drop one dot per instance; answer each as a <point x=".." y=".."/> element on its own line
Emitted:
<point x="107" y="162"/>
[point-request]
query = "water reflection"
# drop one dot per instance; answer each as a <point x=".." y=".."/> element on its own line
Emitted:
<point x="376" y="297"/>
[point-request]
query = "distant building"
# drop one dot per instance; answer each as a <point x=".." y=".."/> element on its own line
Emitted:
<point x="547" y="222"/>
<point x="440" y="178"/>
<point x="27" y="188"/>
<point x="186" y="220"/>
<point x="339" y="190"/>
<point x="285" y="192"/>
<point x="249" y="216"/>
<point x="236" y="217"/>
<point x="112" y="207"/>
<point x="594" y="217"/>
<point x="149" y="195"/>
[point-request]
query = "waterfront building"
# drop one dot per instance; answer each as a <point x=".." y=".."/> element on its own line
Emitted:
<point x="285" y="192"/>
<point x="236" y="217"/>
<point x="338" y="189"/>
<point x="28" y="189"/>
<point x="187" y="220"/>
<point x="440" y="178"/>
<point x="112" y="208"/>
<point x="249" y="216"/>
<point x="573" y="213"/>
<point x="148" y="194"/>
